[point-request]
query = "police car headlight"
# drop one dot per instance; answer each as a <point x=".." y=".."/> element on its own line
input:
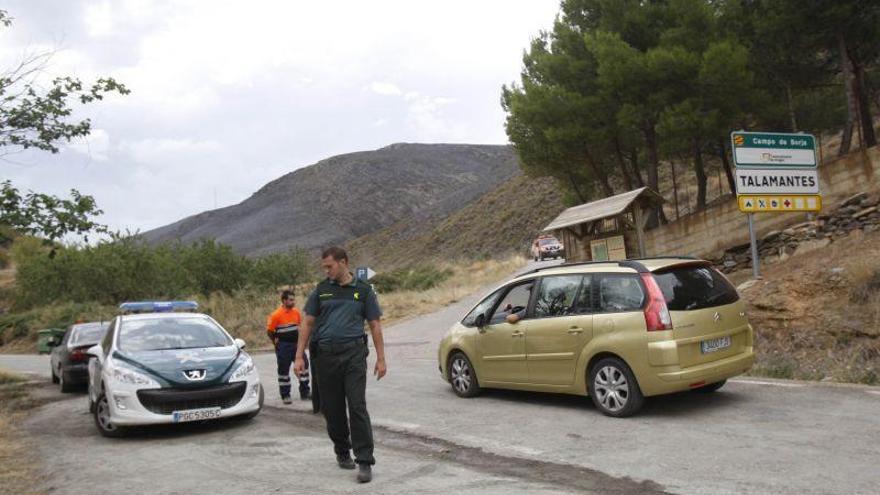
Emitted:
<point x="131" y="377"/>
<point x="244" y="369"/>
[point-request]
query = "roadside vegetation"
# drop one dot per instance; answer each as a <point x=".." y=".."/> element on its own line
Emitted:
<point x="126" y="268"/>
<point x="55" y="286"/>
<point x="618" y="93"/>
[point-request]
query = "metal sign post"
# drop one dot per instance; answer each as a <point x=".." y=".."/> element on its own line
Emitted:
<point x="753" y="239"/>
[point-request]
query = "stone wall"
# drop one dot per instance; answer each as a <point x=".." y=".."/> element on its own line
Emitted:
<point x="858" y="212"/>
<point x="711" y="232"/>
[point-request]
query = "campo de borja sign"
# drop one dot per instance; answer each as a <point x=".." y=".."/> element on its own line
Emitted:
<point x="773" y="150"/>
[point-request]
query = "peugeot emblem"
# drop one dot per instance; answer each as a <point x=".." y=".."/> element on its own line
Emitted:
<point x="195" y="375"/>
<point x="717" y="317"/>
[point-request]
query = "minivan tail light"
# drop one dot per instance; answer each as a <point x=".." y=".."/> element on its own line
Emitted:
<point x="656" y="313"/>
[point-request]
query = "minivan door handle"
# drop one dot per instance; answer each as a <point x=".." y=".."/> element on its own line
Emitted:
<point x="575" y="330"/>
<point x="517" y="334"/>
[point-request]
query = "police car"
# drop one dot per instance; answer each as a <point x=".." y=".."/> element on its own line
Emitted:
<point x="158" y="365"/>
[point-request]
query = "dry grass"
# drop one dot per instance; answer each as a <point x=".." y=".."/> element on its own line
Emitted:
<point x="8" y="378"/>
<point x="17" y="461"/>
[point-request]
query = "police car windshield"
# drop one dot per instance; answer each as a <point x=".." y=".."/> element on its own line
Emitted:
<point x="157" y="334"/>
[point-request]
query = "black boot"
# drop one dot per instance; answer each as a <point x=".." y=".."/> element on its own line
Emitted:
<point x="345" y="461"/>
<point x="365" y="473"/>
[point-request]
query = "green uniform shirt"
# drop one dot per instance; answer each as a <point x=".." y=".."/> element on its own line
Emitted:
<point x="340" y="310"/>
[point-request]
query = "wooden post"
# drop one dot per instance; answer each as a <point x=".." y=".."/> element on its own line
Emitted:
<point x="640" y="218"/>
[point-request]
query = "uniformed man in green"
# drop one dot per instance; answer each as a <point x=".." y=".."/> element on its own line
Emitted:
<point x="335" y="313"/>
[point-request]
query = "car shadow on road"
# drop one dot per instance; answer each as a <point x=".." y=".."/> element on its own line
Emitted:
<point x="682" y="404"/>
<point x="185" y="430"/>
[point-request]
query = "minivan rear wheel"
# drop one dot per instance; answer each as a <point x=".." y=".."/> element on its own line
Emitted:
<point x="462" y="376"/>
<point x="614" y="388"/>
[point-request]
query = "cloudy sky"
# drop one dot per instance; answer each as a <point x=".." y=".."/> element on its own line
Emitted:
<point x="228" y="95"/>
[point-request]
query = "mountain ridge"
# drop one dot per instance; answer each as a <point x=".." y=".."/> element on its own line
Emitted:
<point x="401" y="181"/>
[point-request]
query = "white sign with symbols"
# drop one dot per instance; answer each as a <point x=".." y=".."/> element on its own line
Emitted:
<point x="365" y="273"/>
<point x="776" y="181"/>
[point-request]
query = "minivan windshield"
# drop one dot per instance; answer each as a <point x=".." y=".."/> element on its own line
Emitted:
<point x="156" y="334"/>
<point x="548" y="242"/>
<point x="694" y="287"/>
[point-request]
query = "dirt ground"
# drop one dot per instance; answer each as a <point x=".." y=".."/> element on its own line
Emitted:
<point x="19" y="464"/>
<point x="817" y="314"/>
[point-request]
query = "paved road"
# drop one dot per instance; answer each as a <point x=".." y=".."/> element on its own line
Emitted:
<point x="280" y="451"/>
<point x="754" y="436"/>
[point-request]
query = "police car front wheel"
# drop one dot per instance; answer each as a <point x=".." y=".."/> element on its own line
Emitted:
<point x="103" y="420"/>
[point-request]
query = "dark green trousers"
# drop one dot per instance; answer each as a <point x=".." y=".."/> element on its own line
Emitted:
<point x="342" y="381"/>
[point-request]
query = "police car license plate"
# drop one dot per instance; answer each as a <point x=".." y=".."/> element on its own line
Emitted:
<point x="195" y="414"/>
<point x="713" y="345"/>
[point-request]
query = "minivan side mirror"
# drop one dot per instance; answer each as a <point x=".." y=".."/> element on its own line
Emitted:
<point x="480" y="320"/>
<point x="240" y="343"/>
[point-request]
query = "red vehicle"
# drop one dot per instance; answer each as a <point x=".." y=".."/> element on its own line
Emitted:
<point x="547" y="246"/>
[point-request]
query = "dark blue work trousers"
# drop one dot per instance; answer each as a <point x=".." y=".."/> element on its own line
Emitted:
<point x="285" y="353"/>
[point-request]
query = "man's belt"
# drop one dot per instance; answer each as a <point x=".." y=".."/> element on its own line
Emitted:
<point x="339" y="346"/>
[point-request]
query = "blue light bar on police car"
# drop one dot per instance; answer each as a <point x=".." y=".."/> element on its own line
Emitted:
<point x="158" y="306"/>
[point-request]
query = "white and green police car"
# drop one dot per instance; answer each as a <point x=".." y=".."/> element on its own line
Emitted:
<point x="159" y="365"/>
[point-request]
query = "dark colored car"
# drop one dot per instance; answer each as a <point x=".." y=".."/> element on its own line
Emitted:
<point x="69" y="361"/>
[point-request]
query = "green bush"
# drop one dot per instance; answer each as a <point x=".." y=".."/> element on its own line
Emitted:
<point x="52" y="315"/>
<point x="129" y="269"/>
<point x="4" y="258"/>
<point x="278" y="269"/>
<point x="420" y="278"/>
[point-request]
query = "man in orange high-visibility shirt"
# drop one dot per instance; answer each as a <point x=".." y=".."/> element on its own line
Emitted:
<point x="283" y="330"/>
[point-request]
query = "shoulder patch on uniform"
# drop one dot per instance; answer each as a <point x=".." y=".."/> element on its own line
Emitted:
<point x="357" y="295"/>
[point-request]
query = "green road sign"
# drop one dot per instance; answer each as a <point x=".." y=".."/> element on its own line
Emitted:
<point x="773" y="150"/>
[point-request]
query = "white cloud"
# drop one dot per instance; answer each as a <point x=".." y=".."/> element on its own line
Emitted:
<point x="156" y="152"/>
<point x="385" y="89"/>
<point x="95" y="145"/>
<point x="99" y="19"/>
<point x="230" y="94"/>
<point x="429" y="120"/>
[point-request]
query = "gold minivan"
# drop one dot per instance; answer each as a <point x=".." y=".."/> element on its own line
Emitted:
<point x="617" y="331"/>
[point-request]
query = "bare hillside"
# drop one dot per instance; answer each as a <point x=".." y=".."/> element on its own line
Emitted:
<point x="347" y="196"/>
<point x="502" y="221"/>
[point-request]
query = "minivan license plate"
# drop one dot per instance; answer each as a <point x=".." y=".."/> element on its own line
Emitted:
<point x="713" y="345"/>
<point x="195" y="414"/>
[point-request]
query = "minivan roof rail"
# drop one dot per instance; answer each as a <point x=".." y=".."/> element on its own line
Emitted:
<point x="633" y="263"/>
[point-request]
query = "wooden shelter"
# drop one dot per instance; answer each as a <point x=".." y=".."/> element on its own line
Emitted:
<point x="608" y="229"/>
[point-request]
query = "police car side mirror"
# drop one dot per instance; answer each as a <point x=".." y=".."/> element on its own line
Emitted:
<point x="240" y="343"/>
<point x="94" y="351"/>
